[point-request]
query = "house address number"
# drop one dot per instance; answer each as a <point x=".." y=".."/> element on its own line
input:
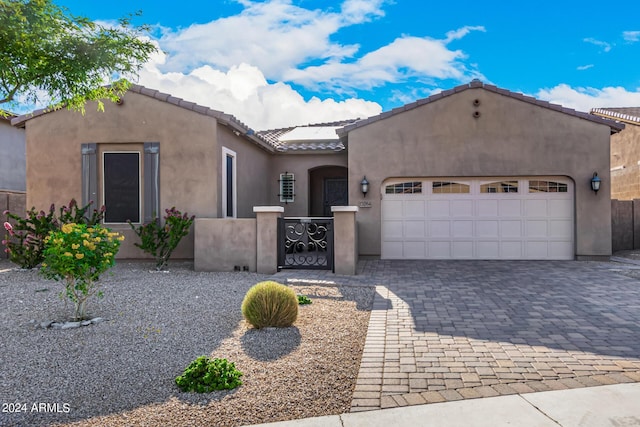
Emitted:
<point x="364" y="204"/>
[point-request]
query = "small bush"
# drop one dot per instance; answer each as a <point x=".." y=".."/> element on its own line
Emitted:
<point x="205" y="375"/>
<point x="270" y="304"/>
<point x="160" y="240"/>
<point x="303" y="299"/>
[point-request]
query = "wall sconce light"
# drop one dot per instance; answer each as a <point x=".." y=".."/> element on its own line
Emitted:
<point x="595" y="182"/>
<point x="364" y="186"/>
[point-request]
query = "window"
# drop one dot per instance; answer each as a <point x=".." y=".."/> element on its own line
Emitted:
<point x="547" y="187"/>
<point x="413" y="187"/>
<point x="445" y="187"/>
<point x="500" y="187"/>
<point x="229" y="197"/>
<point x="114" y="169"/>
<point x="121" y="186"/>
<point x="287" y="189"/>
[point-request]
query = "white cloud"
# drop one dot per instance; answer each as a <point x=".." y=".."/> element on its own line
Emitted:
<point x="584" y="99"/>
<point x="461" y="32"/>
<point x="244" y="92"/>
<point x="273" y="35"/>
<point x="604" y="45"/>
<point x="631" y="36"/>
<point x="584" y="67"/>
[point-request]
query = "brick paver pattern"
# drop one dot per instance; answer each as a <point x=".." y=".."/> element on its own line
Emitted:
<point x="450" y="330"/>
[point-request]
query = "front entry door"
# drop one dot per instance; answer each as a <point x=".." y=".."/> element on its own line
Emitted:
<point x="335" y="194"/>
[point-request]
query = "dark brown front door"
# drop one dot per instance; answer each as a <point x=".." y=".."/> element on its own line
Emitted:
<point x="335" y="194"/>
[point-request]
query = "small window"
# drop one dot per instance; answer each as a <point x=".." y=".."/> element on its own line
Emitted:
<point x="446" y="187"/>
<point x="121" y="187"/>
<point x="229" y="177"/>
<point x="500" y="187"/>
<point x="547" y="187"/>
<point x="287" y="187"/>
<point x="413" y="187"/>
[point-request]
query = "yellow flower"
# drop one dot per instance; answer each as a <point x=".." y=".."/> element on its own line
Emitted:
<point x="121" y="238"/>
<point x="85" y="235"/>
<point x="75" y="246"/>
<point x="97" y="239"/>
<point x="79" y="256"/>
<point x="90" y="229"/>
<point x="68" y="228"/>
<point x="68" y="254"/>
<point x="44" y="264"/>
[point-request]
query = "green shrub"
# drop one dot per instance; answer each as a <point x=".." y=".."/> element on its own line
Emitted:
<point x="25" y="238"/>
<point x="204" y="375"/>
<point x="160" y="240"/>
<point x="77" y="255"/>
<point x="270" y="304"/>
<point x="303" y="299"/>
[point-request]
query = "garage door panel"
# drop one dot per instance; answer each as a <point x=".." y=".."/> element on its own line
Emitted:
<point x="509" y="208"/>
<point x="414" y="229"/>
<point x="537" y="228"/>
<point x="486" y="228"/>
<point x="414" y="250"/>
<point x="487" y="208"/>
<point x="462" y="249"/>
<point x="439" y="229"/>
<point x="414" y="209"/>
<point x="439" y="208"/>
<point x="461" y="208"/>
<point x="503" y="225"/>
<point x="462" y="228"/>
<point x="392" y="230"/>
<point x="510" y="228"/>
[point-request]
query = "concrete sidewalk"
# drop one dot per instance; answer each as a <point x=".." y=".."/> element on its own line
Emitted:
<point x="611" y="405"/>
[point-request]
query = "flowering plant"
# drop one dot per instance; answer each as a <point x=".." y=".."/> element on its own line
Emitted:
<point x="24" y="240"/>
<point x="160" y="240"/>
<point x="78" y="254"/>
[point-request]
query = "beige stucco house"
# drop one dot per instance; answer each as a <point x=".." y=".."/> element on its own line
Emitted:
<point x="625" y="152"/>
<point x="475" y="172"/>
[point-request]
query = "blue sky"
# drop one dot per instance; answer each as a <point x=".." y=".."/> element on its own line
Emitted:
<point x="277" y="63"/>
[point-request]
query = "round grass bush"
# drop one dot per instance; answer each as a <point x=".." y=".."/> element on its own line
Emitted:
<point x="270" y="304"/>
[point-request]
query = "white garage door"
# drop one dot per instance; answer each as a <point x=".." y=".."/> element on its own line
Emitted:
<point x="489" y="218"/>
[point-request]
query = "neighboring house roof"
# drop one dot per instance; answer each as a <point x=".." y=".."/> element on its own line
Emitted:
<point x="225" y="119"/>
<point x="312" y="137"/>
<point x="621" y="114"/>
<point x="615" y="127"/>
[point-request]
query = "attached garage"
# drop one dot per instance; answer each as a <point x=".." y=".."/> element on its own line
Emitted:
<point x="478" y="218"/>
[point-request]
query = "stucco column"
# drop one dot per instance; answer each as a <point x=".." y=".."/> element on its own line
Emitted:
<point x="267" y="238"/>
<point x="345" y="239"/>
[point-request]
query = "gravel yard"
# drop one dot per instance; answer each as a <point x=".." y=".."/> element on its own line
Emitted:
<point x="121" y="372"/>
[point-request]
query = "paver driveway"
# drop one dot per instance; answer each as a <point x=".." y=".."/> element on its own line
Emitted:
<point x="448" y="330"/>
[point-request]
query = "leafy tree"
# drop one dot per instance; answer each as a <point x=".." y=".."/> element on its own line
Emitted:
<point x="47" y="54"/>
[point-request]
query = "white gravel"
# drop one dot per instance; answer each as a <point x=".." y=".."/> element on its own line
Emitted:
<point x="121" y="371"/>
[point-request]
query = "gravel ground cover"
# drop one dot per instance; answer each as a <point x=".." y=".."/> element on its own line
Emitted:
<point x="121" y="372"/>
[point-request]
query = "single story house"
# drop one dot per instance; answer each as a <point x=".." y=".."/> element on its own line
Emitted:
<point x="625" y="152"/>
<point x="475" y="172"/>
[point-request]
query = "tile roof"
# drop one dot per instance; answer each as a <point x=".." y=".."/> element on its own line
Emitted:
<point x="615" y="127"/>
<point x="284" y="139"/>
<point x="225" y="119"/>
<point x="622" y="114"/>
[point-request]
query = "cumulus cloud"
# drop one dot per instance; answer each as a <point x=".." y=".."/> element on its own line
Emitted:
<point x="631" y="36"/>
<point x="584" y="99"/>
<point x="244" y="92"/>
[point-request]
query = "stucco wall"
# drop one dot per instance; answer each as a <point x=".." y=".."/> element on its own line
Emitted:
<point x="14" y="202"/>
<point x="510" y="138"/>
<point x="253" y="172"/>
<point x="300" y="164"/>
<point x="189" y="156"/>
<point x="13" y="160"/>
<point x="625" y="156"/>
<point x="223" y="244"/>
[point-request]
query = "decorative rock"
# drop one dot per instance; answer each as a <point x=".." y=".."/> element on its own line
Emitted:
<point x="57" y="325"/>
<point x="71" y="325"/>
<point x="97" y="320"/>
<point x="45" y="325"/>
<point x="85" y="322"/>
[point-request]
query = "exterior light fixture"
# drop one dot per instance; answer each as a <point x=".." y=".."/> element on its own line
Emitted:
<point x="364" y="186"/>
<point x="595" y="182"/>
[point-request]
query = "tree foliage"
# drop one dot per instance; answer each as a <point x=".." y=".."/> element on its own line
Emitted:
<point x="50" y="55"/>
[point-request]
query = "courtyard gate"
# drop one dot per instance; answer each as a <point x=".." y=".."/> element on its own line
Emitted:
<point x="305" y="243"/>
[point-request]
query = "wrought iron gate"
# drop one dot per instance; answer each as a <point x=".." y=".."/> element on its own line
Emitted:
<point x="305" y="243"/>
